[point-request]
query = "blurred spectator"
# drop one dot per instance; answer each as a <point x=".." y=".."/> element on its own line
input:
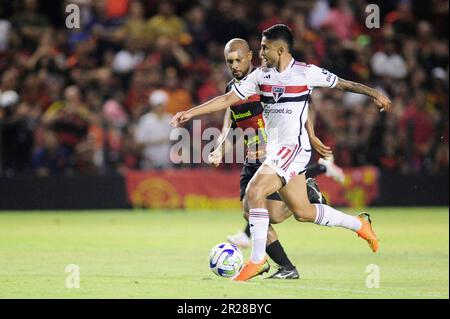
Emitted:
<point x="83" y="91"/>
<point x="16" y="125"/>
<point x="107" y="132"/>
<point x="8" y="99"/>
<point x="319" y="13"/>
<point x="390" y="158"/>
<point x="116" y="8"/>
<point x="50" y="158"/>
<point x="388" y="62"/>
<point x="402" y="18"/>
<point x="135" y="29"/>
<point x="417" y="125"/>
<point x="69" y="119"/>
<point x="225" y="25"/>
<point x="5" y="32"/>
<point x="47" y="57"/>
<point x="103" y="27"/>
<point x="269" y="15"/>
<point x="167" y="24"/>
<point x="340" y="19"/>
<point x="137" y="97"/>
<point x="128" y="58"/>
<point x="179" y="98"/>
<point x="440" y="164"/>
<point x="198" y="29"/>
<point x="29" y="25"/>
<point x="153" y="131"/>
<point x="170" y="54"/>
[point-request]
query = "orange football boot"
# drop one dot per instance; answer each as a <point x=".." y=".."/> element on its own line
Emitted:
<point x="366" y="232"/>
<point x="250" y="270"/>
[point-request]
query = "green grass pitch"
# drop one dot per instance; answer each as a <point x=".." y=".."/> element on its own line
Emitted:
<point x="164" y="254"/>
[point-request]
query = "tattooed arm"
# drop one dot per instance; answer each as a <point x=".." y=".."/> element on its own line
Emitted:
<point x="381" y="100"/>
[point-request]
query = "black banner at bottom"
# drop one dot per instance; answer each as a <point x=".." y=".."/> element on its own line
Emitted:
<point x="228" y="308"/>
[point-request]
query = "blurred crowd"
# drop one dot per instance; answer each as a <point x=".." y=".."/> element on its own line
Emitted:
<point x="98" y="99"/>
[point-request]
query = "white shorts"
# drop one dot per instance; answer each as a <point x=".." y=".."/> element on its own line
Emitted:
<point x="288" y="160"/>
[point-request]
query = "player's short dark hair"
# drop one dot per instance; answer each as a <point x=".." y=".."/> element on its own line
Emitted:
<point x="280" y="32"/>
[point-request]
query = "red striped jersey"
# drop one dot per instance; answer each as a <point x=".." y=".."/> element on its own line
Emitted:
<point x="247" y="115"/>
<point x="285" y="98"/>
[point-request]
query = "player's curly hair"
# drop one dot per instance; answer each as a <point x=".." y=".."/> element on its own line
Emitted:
<point x="280" y="32"/>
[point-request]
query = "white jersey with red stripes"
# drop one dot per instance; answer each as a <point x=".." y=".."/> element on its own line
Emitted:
<point x="285" y="97"/>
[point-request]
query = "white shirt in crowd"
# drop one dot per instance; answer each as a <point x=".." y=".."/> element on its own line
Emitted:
<point x="152" y="128"/>
<point x="392" y="65"/>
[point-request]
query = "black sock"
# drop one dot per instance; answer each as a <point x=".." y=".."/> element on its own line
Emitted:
<point x="315" y="170"/>
<point x="276" y="252"/>
<point x="247" y="230"/>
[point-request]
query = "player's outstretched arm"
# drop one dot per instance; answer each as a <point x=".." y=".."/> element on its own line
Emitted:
<point x="381" y="100"/>
<point x="223" y="145"/>
<point x="216" y="104"/>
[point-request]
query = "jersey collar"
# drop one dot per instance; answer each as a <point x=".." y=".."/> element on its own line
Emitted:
<point x="288" y="67"/>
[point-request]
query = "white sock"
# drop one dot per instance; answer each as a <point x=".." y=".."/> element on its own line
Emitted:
<point x="328" y="216"/>
<point x="259" y="224"/>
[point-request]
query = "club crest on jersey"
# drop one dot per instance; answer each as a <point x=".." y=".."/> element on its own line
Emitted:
<point x="277" y="92"/>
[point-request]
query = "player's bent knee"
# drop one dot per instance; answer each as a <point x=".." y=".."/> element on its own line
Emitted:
<point x="304" y="213"/>
<point x="276" y="219"/>
<point x="300" y="214"/>
<point x="301" y="219"/>
<point x="254" y="193"/>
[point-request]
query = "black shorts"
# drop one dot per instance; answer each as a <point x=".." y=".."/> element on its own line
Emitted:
<point x="246" y="175"/>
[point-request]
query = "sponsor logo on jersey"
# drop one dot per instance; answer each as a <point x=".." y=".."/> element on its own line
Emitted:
<point x="277" y="111"/>
<point x="238" y="116"/>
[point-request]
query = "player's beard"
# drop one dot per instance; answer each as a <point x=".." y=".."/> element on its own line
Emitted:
<point x="241" y="74"/>
<point x="238" y="75"/>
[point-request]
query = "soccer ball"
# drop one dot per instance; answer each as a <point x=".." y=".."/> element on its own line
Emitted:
<point x="225" y="260"/>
